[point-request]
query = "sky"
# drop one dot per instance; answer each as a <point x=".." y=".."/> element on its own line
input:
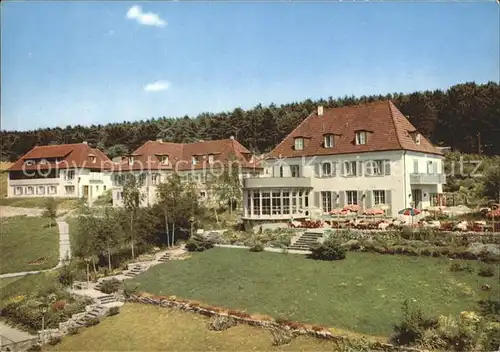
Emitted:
<point x="78" y="62"/>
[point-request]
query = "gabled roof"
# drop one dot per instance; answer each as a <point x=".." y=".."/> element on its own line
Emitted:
<point x="78" y="155"/>
<point x="180" y="155"/>
<point x="388" y="129"/>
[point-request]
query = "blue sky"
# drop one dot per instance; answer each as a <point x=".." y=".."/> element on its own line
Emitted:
<point x="98" y="62"/>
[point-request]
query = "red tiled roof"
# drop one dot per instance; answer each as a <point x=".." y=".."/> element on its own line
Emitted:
<point x="70" y="155"/>
<point x="387" y="127"/>
<point x="148" y="156"/>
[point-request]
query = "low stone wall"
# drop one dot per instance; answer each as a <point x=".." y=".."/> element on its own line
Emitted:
<point x="245" y="318"/>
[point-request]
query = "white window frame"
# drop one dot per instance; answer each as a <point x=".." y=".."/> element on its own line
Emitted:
<point x="18" y="190"/>
<point x="326" y="201"/>
<point x="295" y="170"/>
<point x="66" y="189"/>
<point x="30" y="190"/>
<point x="349" y="168"/>
<point x="377" y="168"/>
<point x="164" y="160"/>
<point x="70" y="175"/>
<point x="415" y="166"/>
<point x="360" y="137"/>
<point x="194" y="160"/>
<point x="299" y="143"/>
<point x="210" y="158"/>
<point x="431" y="167"/>
<point x="326" y="169"/>
<point x="93" y="159"/>
<point x="131" y="160"/>
<point x="351" y="197"/>
<point x="52" y="189"/>
<point x="418" y="138"/>
<point x="40" y="190"/>
<point x="155" y="179"/>
<point x="379" y="197"/>
<point x="329" y="141"/>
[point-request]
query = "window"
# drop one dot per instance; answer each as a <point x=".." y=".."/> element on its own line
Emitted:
<point x="360" y="137"/>
<point x="326" y="169"/>
<point x="326" y="201"/>
<point x="349" y="168"/>
<point x="295" y="170"/>
<point x="131" y="160"/>
<point x="194" y="160"/>
<point x="52" y="189"/>
<point x="379" y="197"/>
<point x="256" y="203"/>
<point x="210" y="158"/>
<point x="377" y="167"/>
<point x="40" y="190"/>
<point x="141" y="179"/>
<point x="29" y="190"/>
<point x="432" y="167"/>
<point x="43" y="161"/>
<point x="104" y="188"/>
<point x="352" y="197"/>
<point x="69" y="189"/>
<point x="93" y="159"/>
<point x="286" y="202"/>
<point x="415" y="166"/>
<point x="276" y="203"/>
<point x="328" y="141"/>
<point x="203" y="194"/>
<point x="155" y="179"/>
<point x="164" y="159"/>
<point x="417" y="138"/>
<point x="97" y="188"/>
<point x="281" y="171"/>
<point x="70" y="175"/>
<point x="299" y="143"/>
<point x="29" y="162"/>
<point x="18" y="191"/>
<point x="266" y="203"/>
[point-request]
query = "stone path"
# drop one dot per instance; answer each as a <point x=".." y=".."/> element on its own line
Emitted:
<point x="9" y="334"/>
<point x="64" y="251"/>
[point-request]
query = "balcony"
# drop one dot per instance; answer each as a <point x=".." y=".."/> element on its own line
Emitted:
<point x="277" y="182"/>
<point x="427" y="179"/>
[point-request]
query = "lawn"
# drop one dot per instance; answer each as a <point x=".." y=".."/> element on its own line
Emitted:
<point x="24" y="285"/>
<point x="362" y="293"/>
<point x="26" y="244"/>
<point x="39" y="202"/>
<point x="173" y="330"/>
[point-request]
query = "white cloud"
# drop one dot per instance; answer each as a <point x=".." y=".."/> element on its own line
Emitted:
<point x="157" y="86"/>
<point x="145" y="18"/>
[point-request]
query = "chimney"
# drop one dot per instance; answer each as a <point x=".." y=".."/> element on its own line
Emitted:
<point x="320" y="110"/>
<point x="159" y="140"/>
<point x="232" y="137"/>
<point x="85" y="142"/>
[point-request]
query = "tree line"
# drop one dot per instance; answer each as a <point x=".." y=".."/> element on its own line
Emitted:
<point x="465" y="117"/>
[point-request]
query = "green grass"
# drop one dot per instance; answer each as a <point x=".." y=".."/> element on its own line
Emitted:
<point x="362" y="293"/>
<point x="175" y="331"/>
<point x="39" y="202"/>
<point x="25" y="239"/>
<point x="24" y="285"/>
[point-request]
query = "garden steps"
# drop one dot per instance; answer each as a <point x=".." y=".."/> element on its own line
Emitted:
<point x="136" y="270"/>
<point x="96" y="312"/>
<point x="306" y="240"/>
<point x="165" y="257"/>
<point x="105" y="299"/>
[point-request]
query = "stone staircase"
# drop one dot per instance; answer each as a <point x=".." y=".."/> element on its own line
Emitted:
<point x="105" y="299"/>
<point x="135" y="270"/>
<point x="96" y="312"/>
<point x="306" y="240"/>
<point x="165" y="257"/>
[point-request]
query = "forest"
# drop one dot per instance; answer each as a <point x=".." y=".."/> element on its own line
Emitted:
<point x="465" y="117"/>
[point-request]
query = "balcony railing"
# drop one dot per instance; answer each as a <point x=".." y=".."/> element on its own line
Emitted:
<point x="277" y="182"/>
<point x="426" y="179"/>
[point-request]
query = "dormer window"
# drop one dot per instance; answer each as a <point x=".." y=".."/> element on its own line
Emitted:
<point x="29" y="162"/>
<point x="131" y="160"/>
<point x="210" y="158"/>
<point x="194" y="160"/>
<point x="93" y="159"/>
<point x="417" y="138"/>
<point x="299" y="143"/>
<point x="360" y="137"/>
<point x="43" y="161"/>
<point x="164" y="160"/>
<point x="328" y="141"/>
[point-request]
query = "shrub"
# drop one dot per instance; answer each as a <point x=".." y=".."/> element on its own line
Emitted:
<point x="129" y="290"/>
<point x="455" y="267"/>
<point x="412" y="327"/>
<point x="486" y="271"/>
<point x="110" y="286"/>
<point x="92" y="322"/>
<point x="67" y="275"/>
<point x="113" y="311"/>
<point x="490" y="309"/>
<point x="58" y="305"/>
<point x="221" y="323"/>
<point x="328" y="250"/>
<point x="281" y="336"/>
<point x="258" y="247"/>
<point x="198" y="243"/>
<point x="54" y="340"/>
<point x="34" y="348"/>
<point x="73" y="331"/>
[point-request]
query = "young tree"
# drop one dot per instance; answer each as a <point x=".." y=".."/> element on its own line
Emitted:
<point x="108" y="234"/>
<point x="228" y="186"/>
<point x="132" y="198"/>
<point x="50" y="210"/>
<point x="86" y="242"/>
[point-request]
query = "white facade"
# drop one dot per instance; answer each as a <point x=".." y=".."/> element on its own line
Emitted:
<point x="62" y="183"/>
<point x="293" y="187"/>
<point x="149" y="180"/>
